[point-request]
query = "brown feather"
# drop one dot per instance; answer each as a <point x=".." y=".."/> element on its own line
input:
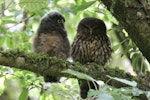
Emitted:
<point x="91" y="44"/>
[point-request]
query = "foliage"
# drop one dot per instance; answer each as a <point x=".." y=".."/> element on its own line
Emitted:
<point x="18" y="23"/>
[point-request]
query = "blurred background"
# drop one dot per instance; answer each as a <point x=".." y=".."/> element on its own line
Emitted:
<point x="19" y="20"/>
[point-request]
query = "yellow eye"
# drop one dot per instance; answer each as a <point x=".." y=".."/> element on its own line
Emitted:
<point x="59" y="21"/>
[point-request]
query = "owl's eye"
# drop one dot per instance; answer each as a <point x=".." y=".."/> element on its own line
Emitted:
<point x="59" y="21"/>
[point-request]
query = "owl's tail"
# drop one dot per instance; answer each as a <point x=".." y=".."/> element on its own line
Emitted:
<point x="51" y="79"/>
<point x="85" y="86"/>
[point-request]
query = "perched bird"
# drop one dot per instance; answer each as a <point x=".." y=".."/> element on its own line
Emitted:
<point x="91" y="45"/>
<point x="51" y="38"/>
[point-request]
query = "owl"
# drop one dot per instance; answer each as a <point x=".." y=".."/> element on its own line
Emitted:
<point x="91" y="45"/>
<point x="51" y="38"/>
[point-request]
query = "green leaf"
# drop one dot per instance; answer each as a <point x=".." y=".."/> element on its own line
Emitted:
<point x="135" y="62"/>
<point x="92" y="92"/>
<point x="83" y="6"/>
<point x="7" y="17"/>
<point x="33" y="5"/>
<point x="9" y="42"/>
<point x="78" y="74"/>
<point x="105" y="96"/>
<point x="1" y="75"/>
<point x="78" y="2"/>
<point x="130" y="83"/>
<point x="2" y="39"/>
<point x="137" y="92"/>
<point x="44" y="96"/>
<point x="126" y="50"/>
<point x="116" y="47"/>
<point x="24" y="94"/>
<point x="2" y="84"/>
<point x="1" y="3"/>
<point x="107" y="15"/>
<point x="9" y="21"/>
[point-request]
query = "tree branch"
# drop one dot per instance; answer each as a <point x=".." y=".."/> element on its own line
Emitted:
<point x="44" y="65"/>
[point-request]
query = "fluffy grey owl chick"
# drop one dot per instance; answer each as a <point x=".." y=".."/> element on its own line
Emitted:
<point x="51" y="38"/>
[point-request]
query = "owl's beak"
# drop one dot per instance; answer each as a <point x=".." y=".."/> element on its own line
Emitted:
<point x="91" y="31"/>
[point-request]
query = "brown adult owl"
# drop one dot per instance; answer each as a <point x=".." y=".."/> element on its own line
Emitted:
<point x="91" y="45"/>
<point x="51" y="38"/>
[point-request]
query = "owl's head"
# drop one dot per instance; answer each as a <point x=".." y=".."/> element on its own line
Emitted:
<point x="53" y="19"/>
<point x="91" y="26"/>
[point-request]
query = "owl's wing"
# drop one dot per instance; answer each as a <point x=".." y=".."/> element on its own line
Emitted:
<point x="52" y="44"/>
<point x="45" y="42"/>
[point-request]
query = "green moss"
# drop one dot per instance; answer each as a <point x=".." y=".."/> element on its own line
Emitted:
<point x="12" y="53"/>
<point x="32" y="58"/>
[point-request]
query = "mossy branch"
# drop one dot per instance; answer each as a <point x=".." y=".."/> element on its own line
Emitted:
<point x="44" y="65"/>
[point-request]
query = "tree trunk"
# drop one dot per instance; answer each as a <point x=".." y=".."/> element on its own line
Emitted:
<point x="134" y="16"/>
